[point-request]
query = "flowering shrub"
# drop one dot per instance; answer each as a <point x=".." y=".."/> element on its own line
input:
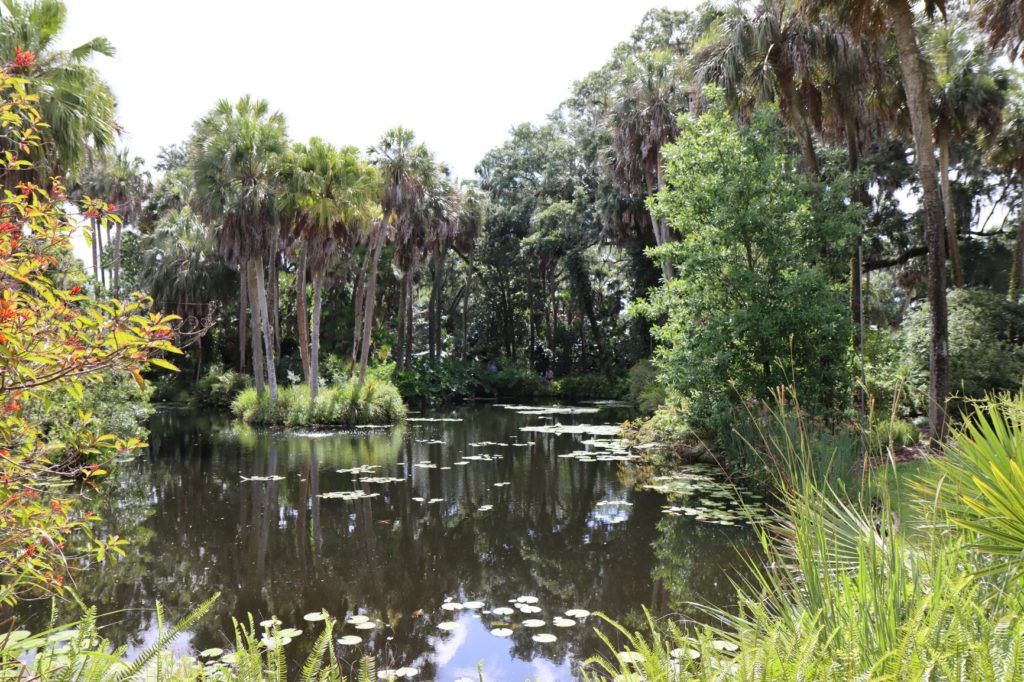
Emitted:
<point x="54" y="340"/>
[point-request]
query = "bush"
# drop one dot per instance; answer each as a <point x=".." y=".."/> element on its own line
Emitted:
<point x="891" y="435"/>
<point x="219" y="387"/>
<point x="985" y="351"/>
<point x="594" y="386"/>
<point x="644" y="389"/>
<point x="348" y="404"/>
<point x="518" y="382"/>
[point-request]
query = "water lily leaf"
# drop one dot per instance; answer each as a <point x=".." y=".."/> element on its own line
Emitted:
<point x="723" y="645"/>
<point x="350" y="640"/>
<point x="501" y="632"/>
<point x="544" y="638"/>
<point x="356" y="620"/>
<point x="533" y="623"/>
<point x="528" y="608"/>
<point x="314" y="617"/>
<point x="527" y="600"/>
<point x="473" y="605"/>
<point x="289" y="633"/>
<point x="452" y="606"/>
<point x="269" y="623"/>
<point x="560" y="622"/>
<point x="448" y="625"/>
<point x="502" y="611"/>
<point x="211" y="653"/>
<point x="577" y="613"/>
<point x="630" y="657"/>
<point x="368" y="625"/>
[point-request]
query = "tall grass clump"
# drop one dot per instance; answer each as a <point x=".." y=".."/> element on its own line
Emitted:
<point x="850" y="591"/>
<point x="377" y="401"/>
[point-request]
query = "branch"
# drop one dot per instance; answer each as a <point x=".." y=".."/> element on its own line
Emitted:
<point x="882" y="263"/>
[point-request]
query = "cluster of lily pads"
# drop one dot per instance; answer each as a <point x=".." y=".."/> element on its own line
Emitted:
<point x="698" y="493"/>
<point x="549" y="410"/>
<point x="525" y="605"/>
<point x="574" y="429"/>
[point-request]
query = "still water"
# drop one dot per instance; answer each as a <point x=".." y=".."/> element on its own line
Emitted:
<point x="214" y="508"/>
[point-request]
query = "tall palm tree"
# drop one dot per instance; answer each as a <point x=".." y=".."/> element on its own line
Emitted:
<point x="1007" y="154"/>
<point x="876" y="18"/>
<point x="472" y="219"/>
<point x="968" y="97"/>
<point x="407" y="170"/>
<point x="1004" y="22"/>
<point x="650" y="92"/>
<point x="332" y="195"/>
<point x="768" y="53"/>
<point x="77" y="105"/>
<point x="445" y="210"/>
<point x="123" y="180"/>
<point x="236" y="153"/>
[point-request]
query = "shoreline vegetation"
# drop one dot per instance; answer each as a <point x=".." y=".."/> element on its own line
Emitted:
<point x="351" y="404"/>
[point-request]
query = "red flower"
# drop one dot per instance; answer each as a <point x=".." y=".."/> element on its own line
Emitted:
<point x="12" y="406"/>
<point x="22" y="60"/>
<point x="8" y="227"/>
<point x="111" y="207"/>
<point x="75" y="291"/>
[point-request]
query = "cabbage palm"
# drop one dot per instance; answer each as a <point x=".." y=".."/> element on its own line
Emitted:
<point x="968" y="96"/>
<point x="332" y="196"/>
<point x="235" y="152"/>
<point x="651" y="91"/>
<point x="77" y="105"/>
<point x="1007" y="154"/>
<point x="875" y="19"/>
<point x="407" y="170"/>
<point x="1004" y="22"/>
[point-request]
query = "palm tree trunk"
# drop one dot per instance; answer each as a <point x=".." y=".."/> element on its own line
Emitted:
<point x="95" y="251"/>
<point x="264" y="323"/>
<point x="400" y="341"/>
<point x="302" y="316"/>
<point x="314" y="351"/>
<point x="357" y="305"/>
<point x="371" y="300"/>
<point x="409" y="295"/>
<point x="465" y="307"/>
<point x="662" y="232"/>
<point x="117" y="260"/>
<point x="808" y="157"/>
<point x="274" y="282"/>
<point x="431" y="307"/>
<point x="243" y="309"/>
<point x="438" y="290"/>
<point x="924" y="151"/>
<point x="1018" y="254"/>
<point x="258" y="361"/>
<point x="947" y="206"/>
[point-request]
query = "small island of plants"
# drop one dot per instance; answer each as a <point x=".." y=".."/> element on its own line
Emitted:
<point x="373" y="402"/>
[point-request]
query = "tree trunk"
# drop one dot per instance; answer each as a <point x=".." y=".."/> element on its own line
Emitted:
<point x="264" y="320"/>
<point x="465" y="307"/>
<point x="808" y="157"/>
<point x="409" y="295"/>
<point x="662" y="231"/>
<point x="860" y="195"/>
<point x="95" y="253"/>
<point x="437" y="291"/>
<point x="243" y="310"/>
<point x="924" y="151"/>
<point x="258" y="360"/>
<point x="302" y="317"/>
<point x="371" y="300"/>
<point x="273" y="280"/>
<point x="357" y="305"/>
<point x="314" y="351"/>
<point x="947" y="207"/>
<point x="400" y="341"/>
<point x="1018" y="252"/>
<point x="99" y="246"/>
<point x="117" y="260"/>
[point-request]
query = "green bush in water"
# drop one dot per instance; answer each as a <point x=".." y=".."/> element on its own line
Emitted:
<point x="219" y="387"/>
<point x="644" y="390"/>
<point x="591" y="385"/>
<point x="376" y="401"/>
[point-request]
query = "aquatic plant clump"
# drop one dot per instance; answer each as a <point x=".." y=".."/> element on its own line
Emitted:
<point x="376" y="402"/>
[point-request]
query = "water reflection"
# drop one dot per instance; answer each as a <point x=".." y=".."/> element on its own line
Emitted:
<point x="276" y="547"/>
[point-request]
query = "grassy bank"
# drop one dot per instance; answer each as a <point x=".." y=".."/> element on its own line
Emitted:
<point x="348" y="404"/>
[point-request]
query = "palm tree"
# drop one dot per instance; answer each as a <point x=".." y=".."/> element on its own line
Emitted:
<point x="650" y="93"/>
<point x="444" y="211"/>
<point x="235" y="152"/>
<point x="472" y="219"/>
<point x="77" y="105"/>
<point x="122" y="180"/>
<point x="1004" y="22"/>
<point x="767" y="54"/>
<point x="406" y="170"/>
<point x="332" y="198"/>
<point x="875" y="18"/>
<point x="1007" y="154"/>
<point x="968" y="97"/>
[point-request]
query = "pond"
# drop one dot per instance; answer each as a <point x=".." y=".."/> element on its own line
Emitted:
<point x="462" y="514"/>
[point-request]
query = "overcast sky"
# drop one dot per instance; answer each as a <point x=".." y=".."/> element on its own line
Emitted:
<point x="460" y="73"/>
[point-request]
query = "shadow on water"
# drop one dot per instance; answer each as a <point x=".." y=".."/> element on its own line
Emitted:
<point x="276" y="547"/>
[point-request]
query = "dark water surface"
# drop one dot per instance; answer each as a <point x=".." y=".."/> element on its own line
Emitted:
<point x="574" y="534"/>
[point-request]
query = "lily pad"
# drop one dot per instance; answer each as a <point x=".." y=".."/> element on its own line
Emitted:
<point x="448" y="625"/>
<point x="350" y="640"/>
<point x="544" y="638"/>
<point x="473" y="605"/>
<point x="368" y="625"/>
<point x="630" y="657"/>
<point x="356" y="619"/>
<point x="577" y="613"/>
<point x="313" y="617"/>
<point x="560" y="622"/>
<point x="533" y="623"/>
<point x="269" y="623"/>
<point x="503" y="611"/>
<point x="723" y="645"/>
<point x="527" y="600"/>
<point x="211" y="653"/>
<point x="501" y="632"/>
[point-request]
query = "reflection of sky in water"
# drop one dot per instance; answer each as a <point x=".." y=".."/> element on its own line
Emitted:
<point x="574" y="533"/>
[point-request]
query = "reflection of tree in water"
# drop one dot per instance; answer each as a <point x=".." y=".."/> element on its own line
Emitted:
<point x="275" y="547"/>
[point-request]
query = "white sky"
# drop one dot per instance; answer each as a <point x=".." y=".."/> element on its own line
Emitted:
<point x="460" y="73"/>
